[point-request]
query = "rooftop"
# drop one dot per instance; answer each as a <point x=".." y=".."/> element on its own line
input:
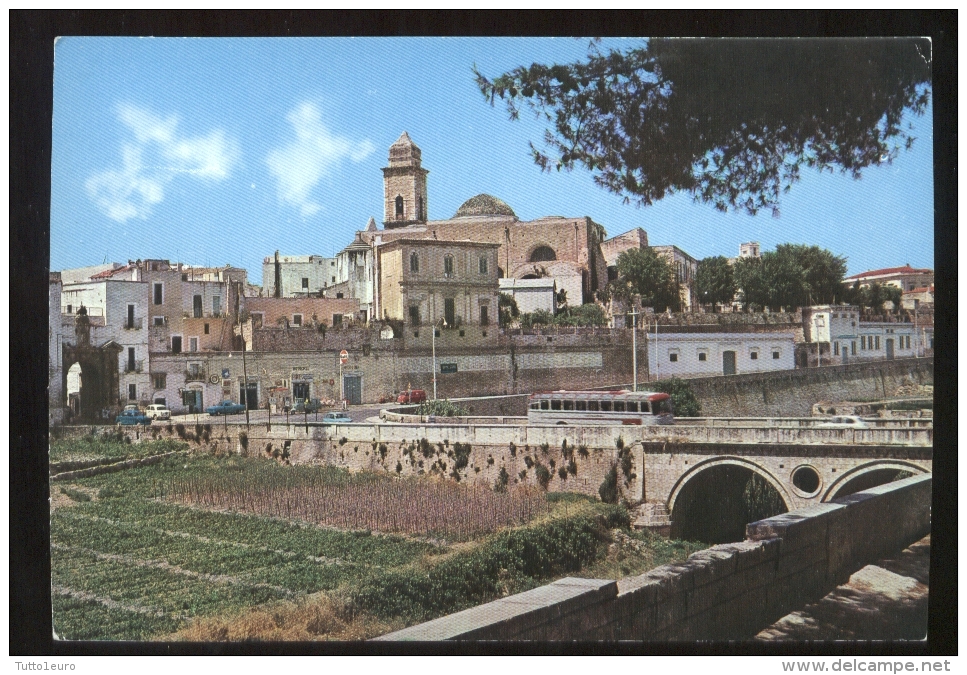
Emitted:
<point x="484" y="205"/>
<point x="906" y="269"/>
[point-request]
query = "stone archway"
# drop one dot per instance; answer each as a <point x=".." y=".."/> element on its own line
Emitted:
<point x="73" y="389"/>
<point x="542" y="253"/>
<point x="715" y="500"/>
<point x="885" y="466"/>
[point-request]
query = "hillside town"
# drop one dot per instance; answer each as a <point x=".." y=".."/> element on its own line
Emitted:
<point x="407" y="297"/>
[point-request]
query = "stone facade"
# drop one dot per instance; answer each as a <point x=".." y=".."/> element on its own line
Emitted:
<point x="531" y="294"/>
<point x="424" y="281"/>
<point x="300" y="312"/>
<point x="404" y="185"/>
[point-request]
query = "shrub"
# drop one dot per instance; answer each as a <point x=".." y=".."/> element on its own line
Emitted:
<point x="344" y="440"/>
<point x="545" y="448"/>
<point x="513" y="449"/>
<point x="462" y="455"/>
<point x="441" y="408"/>
<point x="562" y="472"/>
<point x="76" y="495"/>
<point x="572" y="467"/>
<point x="609" y="487"/>
<point x="543" y="475"/>
<point x="243" y="440"/>
<point x="399" y="467"/>
<point x="583" y="450"/>
<point x="683" y="398"/>
<point x="528" y="461"/>
<point x="500" y="485"/>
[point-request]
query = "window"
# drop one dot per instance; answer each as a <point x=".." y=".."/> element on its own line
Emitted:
<point x="581" y="406"/>
<point x="158" y="294"/>
<point x="448" y="266"/>
<point x="605" y="406"/>
<point x="305" y="282"/>
<point x="130" y="321"/>
<point x="645" y="407"/>
<point x="70" y="309"/>
<point x="854" y="347"/>
<point x="184" y="277"/>
<point x="631" y="406"/>
<point x="196" y="307"/>
<point x="132" y="392"/>
<point x="862" y="342"/>
<point x="593" y="406"/>
<point x="175" y="344"/>
<point x="334" y="280"/>
<point x="544" y="405"/>
<point x="414" y="316"/>
<point x="836" y="349"/>
<point x="207" y="330"/>
<point x="158" y="379"/>
<point x="702" y="356"/>
<point x="555" y="404"/>
<point x="877" y="342"/>
<point x="673" y="357"/>
<point x="336" y="320"/>
<point x="619" y="406"/>
<point x="216" y="305"/>
<point x="535" y="405"/>
<point x="753" y="355"/>
<point x="569" y="405"/>
<point x="296" y="319"/>
<point x="339" y="296"/>
<point x="257" y="319"/>
<point x="131" y="360"/>
<point x="484" y="318"/>
<point x="193" y="344"/>
<point x="449" y="311"/>
<point x="399" y="207"/>
<point x="775" y="355"/>
<point x="194" y="369"/>
<point x="414" y="263"/>
<point x="159" y="321"/>
<point x="483" y="264"/>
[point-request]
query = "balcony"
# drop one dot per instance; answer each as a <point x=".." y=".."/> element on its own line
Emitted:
<point x="196" y="376"/>
<point x="133" y="366"/>
<point x="134" y="324"/>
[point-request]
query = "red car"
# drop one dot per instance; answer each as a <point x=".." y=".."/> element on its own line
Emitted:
<point x="412" y="396"/>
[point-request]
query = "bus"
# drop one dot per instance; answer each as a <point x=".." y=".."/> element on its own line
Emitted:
<point x="600" y="408"/>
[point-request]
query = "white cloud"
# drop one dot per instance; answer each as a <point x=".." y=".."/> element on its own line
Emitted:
<point x="314" y="153"/>
<point x="151" y="159"/>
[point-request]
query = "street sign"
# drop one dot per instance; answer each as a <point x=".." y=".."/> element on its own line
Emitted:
<point x="225" y="373"/>
<point x="448" y="367"/>
<point x="344" y="357"/>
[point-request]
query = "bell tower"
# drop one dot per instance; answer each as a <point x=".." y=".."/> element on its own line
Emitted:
<point x="404" y="185"/>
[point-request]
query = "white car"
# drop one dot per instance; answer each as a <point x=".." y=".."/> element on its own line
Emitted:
<point x="157" y="411"/>
<point x="843" y="422"/>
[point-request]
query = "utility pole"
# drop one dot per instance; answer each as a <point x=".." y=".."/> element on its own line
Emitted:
<point x="634" y="348"/>
<point x="433" y="344"/>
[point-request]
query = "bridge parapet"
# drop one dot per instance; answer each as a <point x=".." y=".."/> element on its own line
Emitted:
<point x="730" y="591"/>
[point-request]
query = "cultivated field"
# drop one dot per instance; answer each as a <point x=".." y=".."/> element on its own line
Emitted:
<point x="207" y="548"/>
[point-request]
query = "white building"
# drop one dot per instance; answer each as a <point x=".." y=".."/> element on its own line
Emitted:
<point x="297" y="275"/>
<point x="117" y="303"/>
<point x="707" y="354"/>
<point x="905" y="278"/>
<point x="852" y="339"/>
<point x="531" y="294"/>
<point x="55" y="388"/>
<point x="355" y="273"/>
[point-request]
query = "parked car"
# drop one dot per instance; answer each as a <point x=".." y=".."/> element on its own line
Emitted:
<point x="132" y="417"/>
<point x="336" y="418"/>
<point x="225" y="408"/>
<point x="132" y="406"/>
<point x="843" y="422"/>
<point x="310" y="405"/>
<point x="158" y="411"/>
<point x="412" y="396"/>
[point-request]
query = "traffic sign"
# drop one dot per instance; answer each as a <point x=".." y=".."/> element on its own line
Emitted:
<point x="343" y="357"/>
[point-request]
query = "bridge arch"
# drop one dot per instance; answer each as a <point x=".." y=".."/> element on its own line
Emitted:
<point x="728" y="460"/>
<point x="877" y="465"/>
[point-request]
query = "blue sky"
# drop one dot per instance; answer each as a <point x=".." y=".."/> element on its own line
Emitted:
<point x="215" y="151"/>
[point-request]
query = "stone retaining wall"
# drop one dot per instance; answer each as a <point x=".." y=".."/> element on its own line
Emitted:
<point x="727" y="592"/>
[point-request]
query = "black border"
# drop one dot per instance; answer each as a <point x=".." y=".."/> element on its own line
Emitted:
<point x="32" y="36"/>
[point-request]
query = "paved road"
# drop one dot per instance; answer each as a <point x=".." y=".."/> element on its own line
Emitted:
<point x="358" y="413"/>
<point x="885" y="601"/>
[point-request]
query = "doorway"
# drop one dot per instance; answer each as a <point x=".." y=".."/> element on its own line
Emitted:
<point x="249" y="396"/>
<point x="728" y="363"/>
<point x="300" y="391"/>
<point x="192" y="399"/>
<point x="449" y="312"/>
<point x="889" y="348"/>
<point x="352" y="389"/>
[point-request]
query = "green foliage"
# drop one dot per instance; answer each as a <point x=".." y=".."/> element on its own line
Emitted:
<point x="442" y="408"/>
<point x="543" y="475"/>
<point x="500" y="485"/>
<point x="683" y="398"/>
<point x="76" y="495"/>
<point x="793" y="275"/>
<point x="110" y="447"/>
<point x="715" y="281"/>
<point x="736" y="133"/>
<point x="507" y="309"/>
<point x="608" y="489"/>
<point x="461" y="453"/>
<point x="646" y="273"/>
<point x="562" y="473"/>
<point x="589" y="314"/>
<point x="510" y="561"/>
<point x="873" y="296"/>
<point x="583" y="450"/>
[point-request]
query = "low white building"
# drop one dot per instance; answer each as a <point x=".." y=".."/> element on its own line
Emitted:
<point x="852" y="339"/>
<point x="531" y="294"/>
<point x="707" y="354"/>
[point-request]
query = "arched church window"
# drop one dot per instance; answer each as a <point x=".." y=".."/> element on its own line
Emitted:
<point x="543" y="254"/>
<point x="414" y="263"/>
<point x="399" y="206"/>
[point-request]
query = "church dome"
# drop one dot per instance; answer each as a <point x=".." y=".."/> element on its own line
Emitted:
<point x="484" y="205"/>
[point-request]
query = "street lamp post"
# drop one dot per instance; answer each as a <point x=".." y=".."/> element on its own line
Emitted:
<point x="634" y="347"/>
<point x="433" y="346"/>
